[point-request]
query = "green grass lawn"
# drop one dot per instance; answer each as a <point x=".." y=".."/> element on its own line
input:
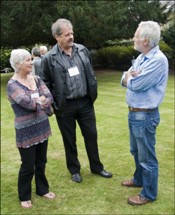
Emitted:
<point x="95" y="195"/>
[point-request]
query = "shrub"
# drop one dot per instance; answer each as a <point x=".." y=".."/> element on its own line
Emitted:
<point x="168" y="35"/>
<point x="168" y="51"/>
<point x="120" y="56"/>
<point x="116" y="56"/>
<point x="5" y="56"/>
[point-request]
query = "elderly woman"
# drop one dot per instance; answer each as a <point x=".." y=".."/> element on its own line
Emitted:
<point x="30" y="100"/>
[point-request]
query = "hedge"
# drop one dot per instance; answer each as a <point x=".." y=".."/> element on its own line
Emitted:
<point x="117" y="56"/>
<point x="120" y="56"/>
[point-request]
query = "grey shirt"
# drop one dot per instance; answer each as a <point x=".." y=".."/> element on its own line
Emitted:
<point x="76" y="85"/>
<point x="37" y="65"/>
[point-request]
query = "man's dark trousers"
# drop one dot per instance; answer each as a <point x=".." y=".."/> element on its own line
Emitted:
<point x="82" y="111"/>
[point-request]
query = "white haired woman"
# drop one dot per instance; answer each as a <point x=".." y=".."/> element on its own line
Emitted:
<point x="30" y="100"/>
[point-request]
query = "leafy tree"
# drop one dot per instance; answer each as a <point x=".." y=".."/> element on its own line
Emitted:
<point x="168" y="35"/>
<point x="26" y="22"/>
<point x="95" y="22"/>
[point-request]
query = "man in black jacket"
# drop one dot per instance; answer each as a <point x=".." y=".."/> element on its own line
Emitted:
<point x="68" y="73"/>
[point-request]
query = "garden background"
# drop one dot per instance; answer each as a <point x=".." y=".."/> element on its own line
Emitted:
<point x="106" y="28"/>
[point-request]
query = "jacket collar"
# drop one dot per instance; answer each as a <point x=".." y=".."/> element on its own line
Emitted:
<point x="55" y="52"/>
<point x="151" y="52"/>
<point x="56" y="49"/>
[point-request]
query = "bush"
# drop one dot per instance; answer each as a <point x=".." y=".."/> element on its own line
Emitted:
<point x="116" y="56"/>
<point x="120" y="56"/>
<point x="168" y="35"/>
<point x="168" y="51"/>
<point x="5" y="56"/>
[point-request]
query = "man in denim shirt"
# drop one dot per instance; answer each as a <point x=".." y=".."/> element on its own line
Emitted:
<point x="146" y="83"/>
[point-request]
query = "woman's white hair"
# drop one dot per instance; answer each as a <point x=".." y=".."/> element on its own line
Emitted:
<point x="18" y="56"/>
<point x="151" y="31"/>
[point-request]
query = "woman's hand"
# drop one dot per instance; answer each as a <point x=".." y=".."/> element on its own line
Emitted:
<point x="42" y="99"/>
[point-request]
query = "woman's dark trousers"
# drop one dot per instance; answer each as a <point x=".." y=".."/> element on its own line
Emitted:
<point x="34" y="160"/>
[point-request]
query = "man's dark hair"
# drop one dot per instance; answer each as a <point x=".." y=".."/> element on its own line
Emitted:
<point x="36" y="51"/>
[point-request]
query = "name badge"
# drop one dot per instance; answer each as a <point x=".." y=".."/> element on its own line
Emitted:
<point x="73" y="71"/>
<point x="35" y="95"/>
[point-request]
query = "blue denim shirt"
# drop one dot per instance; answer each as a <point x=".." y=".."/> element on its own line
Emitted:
<point x="147" y="90"/>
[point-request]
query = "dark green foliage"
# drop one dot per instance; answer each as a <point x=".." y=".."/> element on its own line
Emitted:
<point x="169" y="37"/>
<point x="26" y="22"/>
<point x="116" y="56"/>
<point x="5" y="56"/>
<point x="120" y="56"/>
<point x="167" y="50"/>
<point x="95" y="22"/>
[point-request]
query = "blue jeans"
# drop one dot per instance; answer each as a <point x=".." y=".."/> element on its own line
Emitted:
<point x="142" y="126"/>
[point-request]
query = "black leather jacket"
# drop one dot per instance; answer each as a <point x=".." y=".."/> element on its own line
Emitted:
<point x="54" y="76"/>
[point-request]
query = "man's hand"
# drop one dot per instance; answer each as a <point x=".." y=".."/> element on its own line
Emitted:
<point x="129" y="74"/>
<point x="134" y="73"/>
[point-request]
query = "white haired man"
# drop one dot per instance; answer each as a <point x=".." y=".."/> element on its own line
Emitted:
<point x="43" y="50"/>
<point x="146" y="83"/>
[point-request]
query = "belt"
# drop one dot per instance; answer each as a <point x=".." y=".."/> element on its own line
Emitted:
<point x="140" y="109"/>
